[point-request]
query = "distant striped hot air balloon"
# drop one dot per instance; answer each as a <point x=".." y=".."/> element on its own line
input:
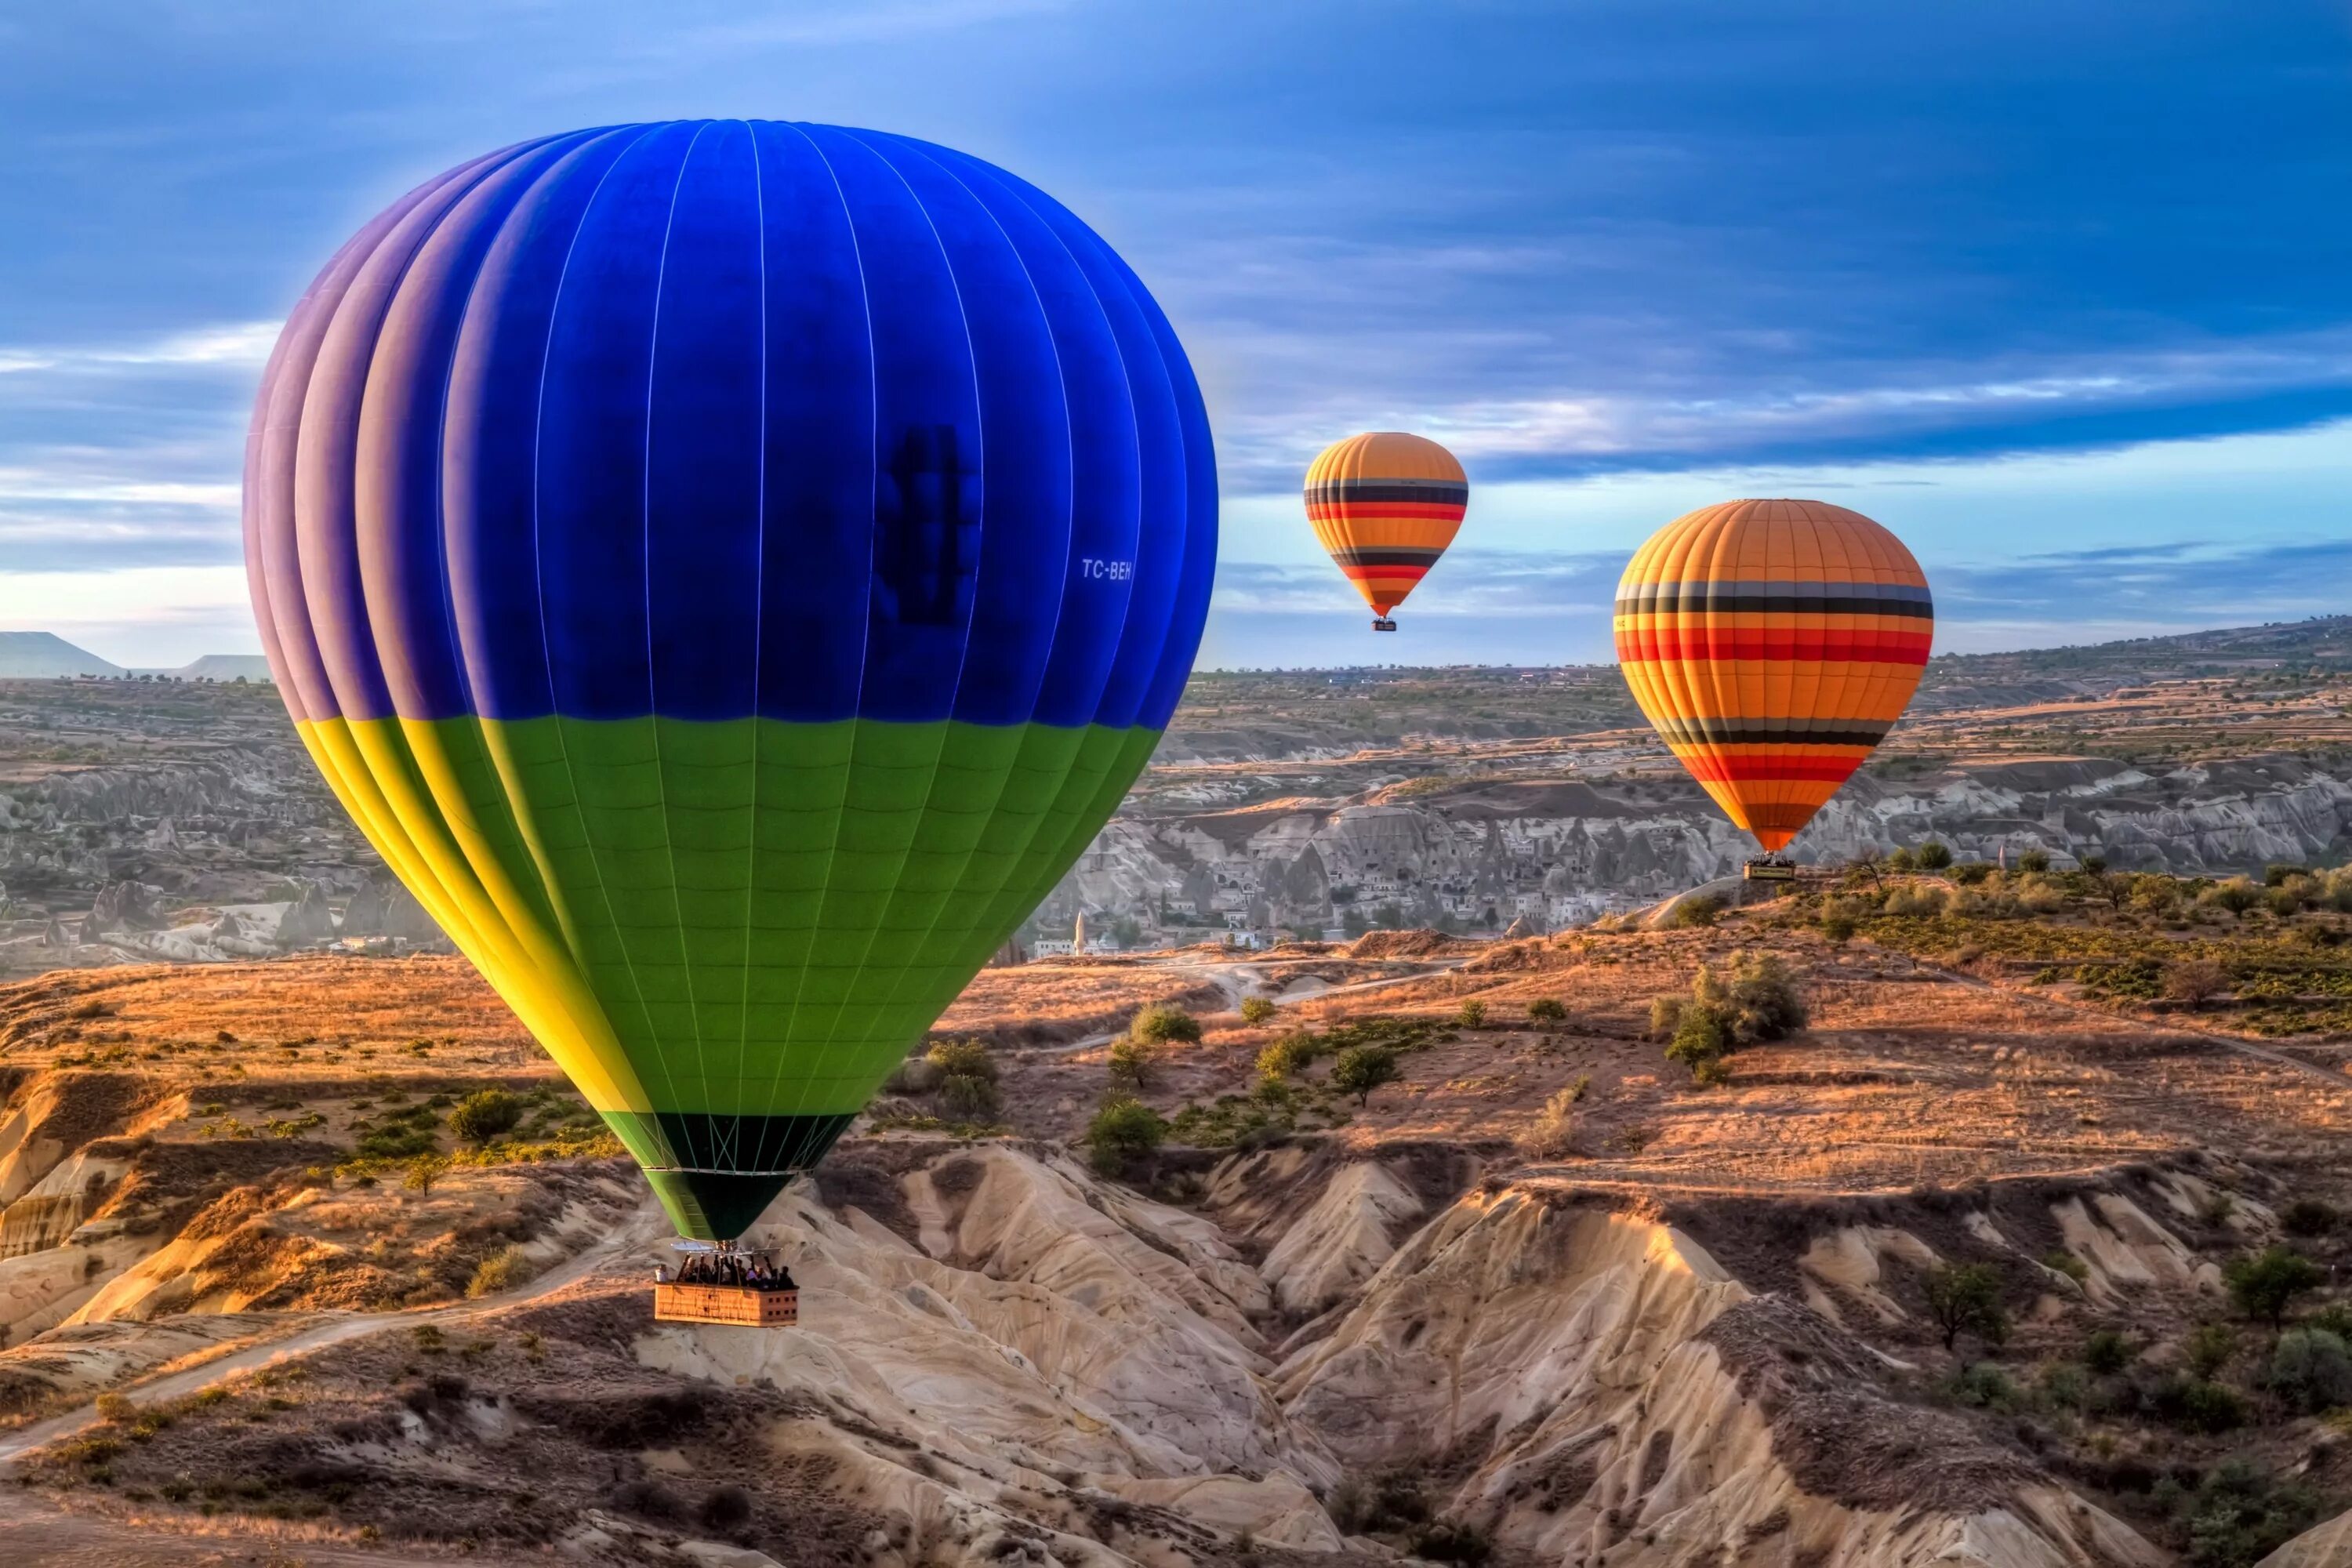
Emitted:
<point x="729" y="570"/>
<point x="1386" y="505"/>
<point x="1773" y="644"/>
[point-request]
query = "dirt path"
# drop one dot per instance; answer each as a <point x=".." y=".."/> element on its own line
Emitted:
<point x="1224" y="978"/>
<point x="32" y="1529"/>
<point x="2237" y="1043"/>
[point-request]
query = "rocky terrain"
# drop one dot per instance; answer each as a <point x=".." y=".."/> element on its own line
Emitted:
<point x="1541" y="1298"/>
<point x="145" y="819"/>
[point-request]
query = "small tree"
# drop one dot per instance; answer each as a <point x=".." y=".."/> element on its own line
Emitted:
<point x="2237" y="895"/>
<point x="1473" y="1014"/>
<point x="1133" y="1061"/>
<point x="1665" y="1016"/>
<point x="485" y="1114"/>
<point x="1547" y="1010"/>
<point x="1162" y="1026"/>
<point x="1257" y="1009"/>
<point x="1934" y="855"/>
<point x="1363" y="1068"/>
<point x="1124" y="1130"/>
<point x="2034" y="860"/>
<point x="1965" y="1300"/>
<point x="2311" y="1370"/>
<point x="2264" y="1284"/>
<point x="423" y="1171"/>
<point x="965" y="1078"/>
<point x="2092" y="865"/>
<point x="1838" y="930"/>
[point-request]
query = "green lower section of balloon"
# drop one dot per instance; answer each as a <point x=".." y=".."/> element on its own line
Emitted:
<point x="714" y="1174"/>
<point x="746" y="922"/>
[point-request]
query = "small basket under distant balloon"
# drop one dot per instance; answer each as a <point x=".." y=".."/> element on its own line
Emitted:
<point x="1768" y="868"/>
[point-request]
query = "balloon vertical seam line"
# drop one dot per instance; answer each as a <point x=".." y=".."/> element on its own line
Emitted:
<point x="539" y="575"/>
<point x="963" y="650"/>
<point x="759" y="635"/>
<point x="1045" y="663"/>
<point x="653" y="702"/>
<point x="857" y="720"/>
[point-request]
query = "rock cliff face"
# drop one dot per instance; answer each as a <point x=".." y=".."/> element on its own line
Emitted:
<point x="1578" y="1384"/>
<point x="1561" y="851"/>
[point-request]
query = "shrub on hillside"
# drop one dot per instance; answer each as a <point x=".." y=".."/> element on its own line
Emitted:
<point x="1665" y="1016"/>
<point x="2194" y="981"/>
<point x="1696" y="912"/>
<point x="2034" y="860"/>
<point x="1256" y="1010"/>
<point x="1934" y="855"/>
<point x="1761" y="997"/>
<point x="1547" y="1010"/>
<point x="2106" y="1351"/>
<point x="967" y="1097"/>
<point x="1124" y="1130"/>
<point x="2311" y="1370"/>
<point x="1917" y="903"/>
<point x="1163" y="1024"/>
<point x="1473" y="1014"/>
<point x="1702" y="1036"/>
<point x="2309" y="1216"/>
<point x="485" y="1114"/>
<point x="501" y="1270"/>
<point x="1552" y="1136"/>
<point x="2240" y="1513"/>
<point x="962" y="1058"/>
<point x="1291" y="1053"/>
<point x="2237" y="895"/>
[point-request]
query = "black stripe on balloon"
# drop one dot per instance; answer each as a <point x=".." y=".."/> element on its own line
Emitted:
<point x="1430" y="492"/>
<point x="1386" y="557"/>
<point x="1697" y="600"/>
<point x="1771" y="732"/>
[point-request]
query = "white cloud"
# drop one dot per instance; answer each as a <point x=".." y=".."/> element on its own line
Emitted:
<point x="236" y="344"/>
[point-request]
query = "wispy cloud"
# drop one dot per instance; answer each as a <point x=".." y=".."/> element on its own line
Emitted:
<point x="241" y="346"/>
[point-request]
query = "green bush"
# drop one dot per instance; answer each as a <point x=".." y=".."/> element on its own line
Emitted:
<point x="1984" y="1387"/>
<point x="1162" y="1026"/>
<point x="962" y="1058"/>
<point x="1665" y="1016"/>
<point x="1547" y="1010"/>
<point x="1451" y="1541"/>
<point x="1289" y="1054"/>
<point x="2239" y="1514"/>
<point x="1361" y="1069"/>
<point x="1257" y="1009"/>
<point x="2066" y="1263"/>
<point x="2310" y="1370"/>
<point x="2034" y="860"/>
<point x="485" y="1114"/>
<point x="1970" y="873"/>
<point x="967" y="1097"/>
<point x="1934" y="855"/>
<point x="1124" y="1130"/>
<point x="1473" y="1014"/>
<point x="1702" y="1034"/>
<point x="2106" y="1351"/>
<point x="2206" y="1349"/>
<point x="1760" y="996"/>
<point x="1838" y="930"/>
<point x="2308" y="1217"/>
<point x="501" y="1270"/>
<point x="2265" y="1284"/>
<point x="1696" y="912"/>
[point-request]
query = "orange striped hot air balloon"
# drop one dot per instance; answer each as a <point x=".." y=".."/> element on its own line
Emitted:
<point x="1386" y="505"/>
<point x="1773" y="644"/>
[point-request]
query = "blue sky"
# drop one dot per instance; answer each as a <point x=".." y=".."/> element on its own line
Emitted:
<point x="2062" y="292"/>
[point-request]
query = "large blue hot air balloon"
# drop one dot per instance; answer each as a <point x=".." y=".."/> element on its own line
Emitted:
<point x="730" y="571"/>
